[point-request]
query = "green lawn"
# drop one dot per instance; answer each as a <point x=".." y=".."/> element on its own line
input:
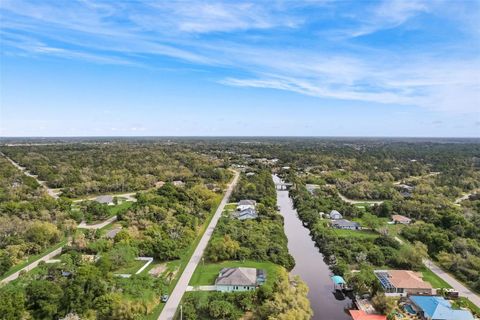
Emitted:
<point x="356" y="233"/>
<point x="230" y="206"/>
<point x="464" y="302"/>
<point x="119" y="207"/>
<point x="205" y="274"/>
<point x="433" y="279"/>
<point x="131" y="268"/>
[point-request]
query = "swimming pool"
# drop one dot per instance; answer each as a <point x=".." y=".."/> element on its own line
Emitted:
<point x="409" y="309"/>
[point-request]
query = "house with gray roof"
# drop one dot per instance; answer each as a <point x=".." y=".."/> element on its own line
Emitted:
<point x="105" y="200"/>
<point x="239" y="279"/>
<point x="335" y="215"/>
<point x="246" y="204"/>
<point x="345" y="224"/>
<point x="245" y="214"/>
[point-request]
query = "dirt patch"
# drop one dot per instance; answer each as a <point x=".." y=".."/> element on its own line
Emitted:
<point x="158" y="270"/>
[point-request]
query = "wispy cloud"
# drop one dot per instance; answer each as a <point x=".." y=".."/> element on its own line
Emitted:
<point x="389" y="14"/>
<point x="275" y="46"/>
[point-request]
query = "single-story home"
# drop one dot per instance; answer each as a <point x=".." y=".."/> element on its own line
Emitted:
<point x="245" y="214"/>
<point x="402" y="282"/>
<point x="397" y="218"/>
<point x="105" y="200"/>
<point x="335" y="215"/>
<point x="239" y="279"/>
<point x="362" y="315"/>
<point x="438" y="308"/>
<point x="246" y="204"/>
<point x="345" y="224"/>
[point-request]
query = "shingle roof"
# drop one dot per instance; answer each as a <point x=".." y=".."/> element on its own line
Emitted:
<point x="438" y="308"/>
<point x="335" y="212"/>
<point x="400" y="218"/>
<point x="345" y="223"/>
<point x="104" y="199"/>
<point x="247" y="203"/>
<point x="362" y="315"/>
<point x="245" y="214"/>
<point x="237" y="276"/>
<point x="408" y="279"/>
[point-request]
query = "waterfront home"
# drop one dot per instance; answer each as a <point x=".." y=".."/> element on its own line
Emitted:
<point x="246" y="204"/>
<point x="335" y="215"/>
<point x="239" y="279"/>
<point x="105" y="200"/>
<point x="362" y="315"/>
<point x="345" y="224"/>
<point x="402" y="282"/>
<point x="397" y="218"/>
<point x="245" y="214"/>
<point x="438" y="308"/>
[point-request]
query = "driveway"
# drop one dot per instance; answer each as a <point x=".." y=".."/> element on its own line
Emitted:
<point x="100" y="225"/>
<point x="171" y="305"/>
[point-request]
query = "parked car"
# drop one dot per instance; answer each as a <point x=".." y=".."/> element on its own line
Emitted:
<point x="165" y="297"/>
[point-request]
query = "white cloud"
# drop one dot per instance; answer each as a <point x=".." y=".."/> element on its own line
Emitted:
<point x="120" y="33"/>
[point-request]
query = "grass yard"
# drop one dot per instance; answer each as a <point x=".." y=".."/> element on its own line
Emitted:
<point x="365" y="234"/>
<point x="133" y="267"/>
<point x="119" y="207"/>
<point x="464" y="302"/>
<point x="230" y="206"/>
<point x="205" y="274"/>
<point x="433" y="279"/>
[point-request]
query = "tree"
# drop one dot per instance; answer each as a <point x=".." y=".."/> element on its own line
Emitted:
<point x="121" y="255"/>
<point x="289" y="300"/>
<point x="223" y="249"/>
<point x="12" y="306"/>
<point x="220" y="309"/>
<point x="43" y="299"/>
<point x="5" y="262"/>
<point x="382" y="303"/>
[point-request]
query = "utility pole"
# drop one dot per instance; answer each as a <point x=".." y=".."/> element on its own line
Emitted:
<point x="181" y="312"/>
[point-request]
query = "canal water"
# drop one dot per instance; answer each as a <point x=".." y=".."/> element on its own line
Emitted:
<point x="309" y="265"/>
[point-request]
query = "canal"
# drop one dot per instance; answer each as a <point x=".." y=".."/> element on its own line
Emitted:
<point x="309" y="264"/>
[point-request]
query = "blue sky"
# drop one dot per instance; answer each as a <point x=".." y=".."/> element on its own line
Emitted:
<point x="316" y="68"/>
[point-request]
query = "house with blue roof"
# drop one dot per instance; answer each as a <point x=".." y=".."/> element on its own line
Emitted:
<point x="438" y="308"/>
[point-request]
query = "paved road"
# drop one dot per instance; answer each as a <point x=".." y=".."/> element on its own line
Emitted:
<point x="51" y="192"/>
<point x="32" y="265"/>
<point x="171" y="306"/>
<point x="462" y="290"/>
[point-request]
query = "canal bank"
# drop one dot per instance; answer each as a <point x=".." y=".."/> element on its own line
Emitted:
<point x="309" y="264"/>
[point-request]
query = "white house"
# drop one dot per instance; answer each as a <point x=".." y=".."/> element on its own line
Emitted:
<point x="335" y="215"/>
<point x="246" y="204"/>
